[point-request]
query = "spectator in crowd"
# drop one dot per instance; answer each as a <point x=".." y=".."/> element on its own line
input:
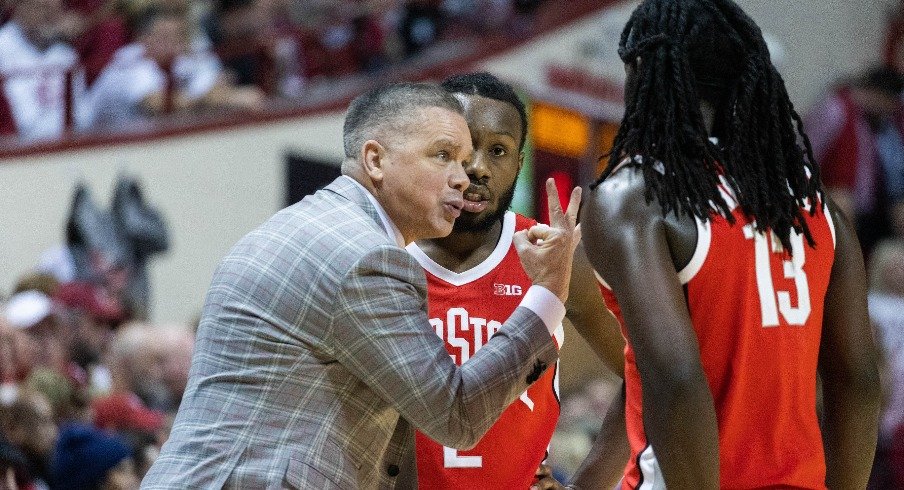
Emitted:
<point x="135" y="359"/>
<point x="195" y="13"/>
<point x="88" y="458"/>
<point x="337" y="38"/>
<point x="421" y="25"/>
<point x="370" y="40"/>
<point x="857" y="139"/>
<point x="67" y="396"/>
<point x="179" y="344"/>
<point x="32" y="312"/>
<point x="237" y="32"/>
<point x="261" y="47"/>
<point x="9" y="356"/>
<point x="135" y="84"/>
<point x="886" y="301"/>
<point x="33" y="69"/>
<point x="28" y="427"/>
<point x="13" y="467"/>
<point x="16" y="352"/>
<point x="91" y="314"/>
<point x="97" y="29"/>
<point x="37" y="281"/>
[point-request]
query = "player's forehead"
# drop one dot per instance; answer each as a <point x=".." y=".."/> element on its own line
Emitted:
<point x="488" y="116"/>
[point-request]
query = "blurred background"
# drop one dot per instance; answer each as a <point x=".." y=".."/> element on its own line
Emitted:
<point x="139" y="139"/>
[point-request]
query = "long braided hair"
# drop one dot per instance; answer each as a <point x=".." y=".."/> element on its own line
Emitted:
<point x="683" y="52"/>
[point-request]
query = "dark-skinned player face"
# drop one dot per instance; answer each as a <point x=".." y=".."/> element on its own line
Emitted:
<point x="496" y="133"/>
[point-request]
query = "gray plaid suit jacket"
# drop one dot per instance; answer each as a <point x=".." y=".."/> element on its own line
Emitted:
<point x="315" y="359"/>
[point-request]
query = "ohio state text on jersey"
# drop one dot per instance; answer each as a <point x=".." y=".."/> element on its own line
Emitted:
<point x="465" y="310"/>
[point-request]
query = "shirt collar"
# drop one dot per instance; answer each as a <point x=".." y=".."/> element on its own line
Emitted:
<point x="391" y="229"/>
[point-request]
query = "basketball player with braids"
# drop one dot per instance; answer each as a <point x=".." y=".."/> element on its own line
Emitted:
<point x="736" y="281"/>
<point x="475" y="280"/>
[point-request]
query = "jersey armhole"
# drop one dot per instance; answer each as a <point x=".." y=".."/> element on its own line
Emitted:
<point x="701" y="250"/>
<point x="704" y="238"/>
<point x="600" y="280"/>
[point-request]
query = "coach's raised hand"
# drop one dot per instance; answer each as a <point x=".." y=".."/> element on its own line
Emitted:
<point x="546" y="250"/>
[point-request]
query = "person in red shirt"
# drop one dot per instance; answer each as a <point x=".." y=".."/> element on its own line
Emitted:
<point x="475" y="281"/>
<point x="97" y="29"/>
<point x="736" y="280"/>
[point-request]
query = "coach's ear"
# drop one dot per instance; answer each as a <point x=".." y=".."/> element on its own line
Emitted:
<point x="373" y="155"/>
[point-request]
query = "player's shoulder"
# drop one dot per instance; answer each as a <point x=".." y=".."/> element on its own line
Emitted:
<point x="618" y="204"/>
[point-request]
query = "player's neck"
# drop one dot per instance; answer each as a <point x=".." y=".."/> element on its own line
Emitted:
<point x="463" y="250"/>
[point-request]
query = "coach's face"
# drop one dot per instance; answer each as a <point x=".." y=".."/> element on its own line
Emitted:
<point x="496" y="132"/>
<point x="418" y="172"/>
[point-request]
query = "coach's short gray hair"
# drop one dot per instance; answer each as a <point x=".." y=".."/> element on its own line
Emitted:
<point x="390" y="107"/>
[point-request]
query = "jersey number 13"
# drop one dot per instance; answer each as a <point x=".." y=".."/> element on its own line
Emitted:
<point x="772" y="301"/>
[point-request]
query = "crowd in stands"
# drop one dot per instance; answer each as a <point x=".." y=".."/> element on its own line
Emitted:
<point x="88" y="387"/>
<point x="87" y="394"/>
<point x="86" y="65"/>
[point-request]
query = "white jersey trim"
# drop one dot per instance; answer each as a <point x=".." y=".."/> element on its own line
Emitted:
<point x="651" y="473"/>
<point x="476" y="272"/>
<point x="828" y="214"/>
<point x="701" y="251"/>
<point x="602" y="281"/>
<point x="704" y="239"/>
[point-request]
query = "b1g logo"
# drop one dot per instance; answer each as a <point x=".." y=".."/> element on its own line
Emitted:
<point x="507" y="290"/>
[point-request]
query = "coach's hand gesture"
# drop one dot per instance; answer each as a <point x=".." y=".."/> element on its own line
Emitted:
<point x="546" y="250"/>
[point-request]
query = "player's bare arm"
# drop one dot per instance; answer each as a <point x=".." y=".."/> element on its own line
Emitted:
<point x="848" y="366"/>
<point x="628" y="245"/>
<point x="603" y="466"/>
<point x="586" y="310"/>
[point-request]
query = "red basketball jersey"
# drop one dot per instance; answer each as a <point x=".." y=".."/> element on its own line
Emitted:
<point x="466" y="309"/>
<point x="757" y="313"/>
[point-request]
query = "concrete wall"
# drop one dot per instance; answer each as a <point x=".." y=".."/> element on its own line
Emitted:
<point x="212" y="188"/>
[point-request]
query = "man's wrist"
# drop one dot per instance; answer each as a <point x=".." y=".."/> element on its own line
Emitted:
<point x="546" y="305"/>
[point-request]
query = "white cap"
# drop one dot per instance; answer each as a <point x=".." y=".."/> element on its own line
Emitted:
<point x="26" y="309"/>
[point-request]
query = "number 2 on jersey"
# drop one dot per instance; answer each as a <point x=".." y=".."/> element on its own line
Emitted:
<point x="451" y="458"/>
<point x="773" y="302"/>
